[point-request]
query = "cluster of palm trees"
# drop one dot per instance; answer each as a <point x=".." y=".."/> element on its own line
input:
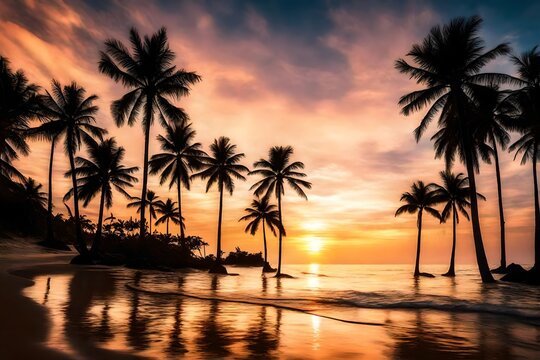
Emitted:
<point x="145" y="68"/>
<point x="474" y="114"/>
<point x="453" y="194"/>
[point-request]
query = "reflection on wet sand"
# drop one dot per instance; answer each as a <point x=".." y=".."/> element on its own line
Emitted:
<point x="176" y="343"/>
<point x="137" y="335"/>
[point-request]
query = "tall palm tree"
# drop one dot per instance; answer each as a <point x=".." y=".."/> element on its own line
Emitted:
<point x="525" y="112"/>
<point x="492" y="119"/>
<point x="449" y="63"/>
<point x="151" y="202"/>
<point x="102" y="172"/>
<point x="262" y="211"/>
<point x="148" y="72"/>
<point x="180" y="157"/>
<point x="454" y="193"/>
<point x="221" y="168"/>
<point x="168" y="211"/>
<point x="277" y="171"/>
<point x="421" y="198"/>
<point x="70" y="114"/>
<point x="18" y="105"/>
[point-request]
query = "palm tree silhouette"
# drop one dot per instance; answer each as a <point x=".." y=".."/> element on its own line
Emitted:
<point x="454" y="193"/>
<point x="70" y="114"/>
<point x="262" y="211"/>
<point x="151" y="203"/>
<point x="276" y="171"/>
<point x="168" y="211"/>
<point x="102" y="172"/>
<point x="522" y="106"/>
<point x="180" y="157"/>
<point x="152" y="79"/>
<point x="221" y="168"/>
<point x="33" y="196"/>
<point x="491" y="115"/>
<point x="18" y="106"/>
<point x="449" y="63"/>
<point x="421" y="198"/>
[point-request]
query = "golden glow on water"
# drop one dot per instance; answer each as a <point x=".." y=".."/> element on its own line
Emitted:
<point x="94" y="315"/>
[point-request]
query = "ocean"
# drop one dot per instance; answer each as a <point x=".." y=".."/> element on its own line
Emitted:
<point x="325" y="311"/>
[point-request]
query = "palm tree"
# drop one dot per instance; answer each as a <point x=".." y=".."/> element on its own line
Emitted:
<point x="454" y="193"/>
<point x="169" y="211"/>
<point x="180" y="157"/>
<point x="18" y="105"/>
<point x="221" y="168"/>
<point x="524" y="110"/>
<point x="152" y="79"/>
<point x="492" y="118"/>
<point x="449" y="63"/>
<point x="33" y="196"/>
<point x="421" y="198"/>
<point x="70" y="114"/>
<point x="151" y="203"/>
<point x="262" y="211"/>
<point x="102" y="172"/>
<point x="276" y="171"/>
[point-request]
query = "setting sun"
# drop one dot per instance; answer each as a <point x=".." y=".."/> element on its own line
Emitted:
<point x="314" y="244"/>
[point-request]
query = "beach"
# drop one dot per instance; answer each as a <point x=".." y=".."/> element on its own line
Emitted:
<point x="62" y="311"/>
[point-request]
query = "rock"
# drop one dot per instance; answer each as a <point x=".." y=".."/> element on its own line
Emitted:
<point x="286" y="276"/>
<point x="217" y="268"/>
<point x="515" y="273"/>
<point x="501" y="270"/>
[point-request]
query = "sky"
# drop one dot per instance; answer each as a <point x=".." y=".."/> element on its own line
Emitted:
<point x="316" y="75"/>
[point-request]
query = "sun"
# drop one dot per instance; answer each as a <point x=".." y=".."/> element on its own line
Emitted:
<point x="314" y="244"/>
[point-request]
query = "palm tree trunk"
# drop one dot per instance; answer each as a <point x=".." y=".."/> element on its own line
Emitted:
<point x="150" y="219"/>
<point x="142" y="225"/>
<point x="218" y="254"/>
<point x="278" y="273"/>
<point x="167" y="226"/>
<point x="481" y="258"/>
<point x="264" y="239"/>
<point x="536" y="213"/>
<point x="97" y="240"/>
<point x="81" y="245"/>
<point x="179" y="184"/>
<point x="417" y="262"/>
<point x="501" y="208"/>
<point x="451" y="269"/>
<point x="50" y="234"/>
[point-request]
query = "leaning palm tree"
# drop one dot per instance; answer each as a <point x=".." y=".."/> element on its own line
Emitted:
<point x="151" y="202"/>
<point x="180" y="157"/>
<point x="18" y="105"/>
<point x="276" y="172"/>
<point x="221" y="168"/>
<point x="168" y="211"/>
<point x="421" y="198"/>
<point x="70" y="114"/>
<point x="525" y="113"/>
<point x="100" y="173"/>
<point x="148" y="72"/>
<point x="454" y="193"/>
<point x="449" y="63"/>
<point x="261" y="211"/>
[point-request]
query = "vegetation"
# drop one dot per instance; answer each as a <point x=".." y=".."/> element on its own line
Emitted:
<point x="421" y="198"/>
<point x="262" y="211"/>
<point x="276" y="171"/>
<point x="221" y="168"/>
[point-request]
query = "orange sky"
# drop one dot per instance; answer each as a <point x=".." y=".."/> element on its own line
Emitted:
<point x="330" y="93"/>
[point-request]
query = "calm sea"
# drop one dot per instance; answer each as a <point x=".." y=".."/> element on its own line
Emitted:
<point x="326" y="311"/>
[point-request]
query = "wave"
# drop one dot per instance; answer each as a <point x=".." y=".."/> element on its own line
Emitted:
<point x="317" y="304"/>
<point x="248" y="302"/>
